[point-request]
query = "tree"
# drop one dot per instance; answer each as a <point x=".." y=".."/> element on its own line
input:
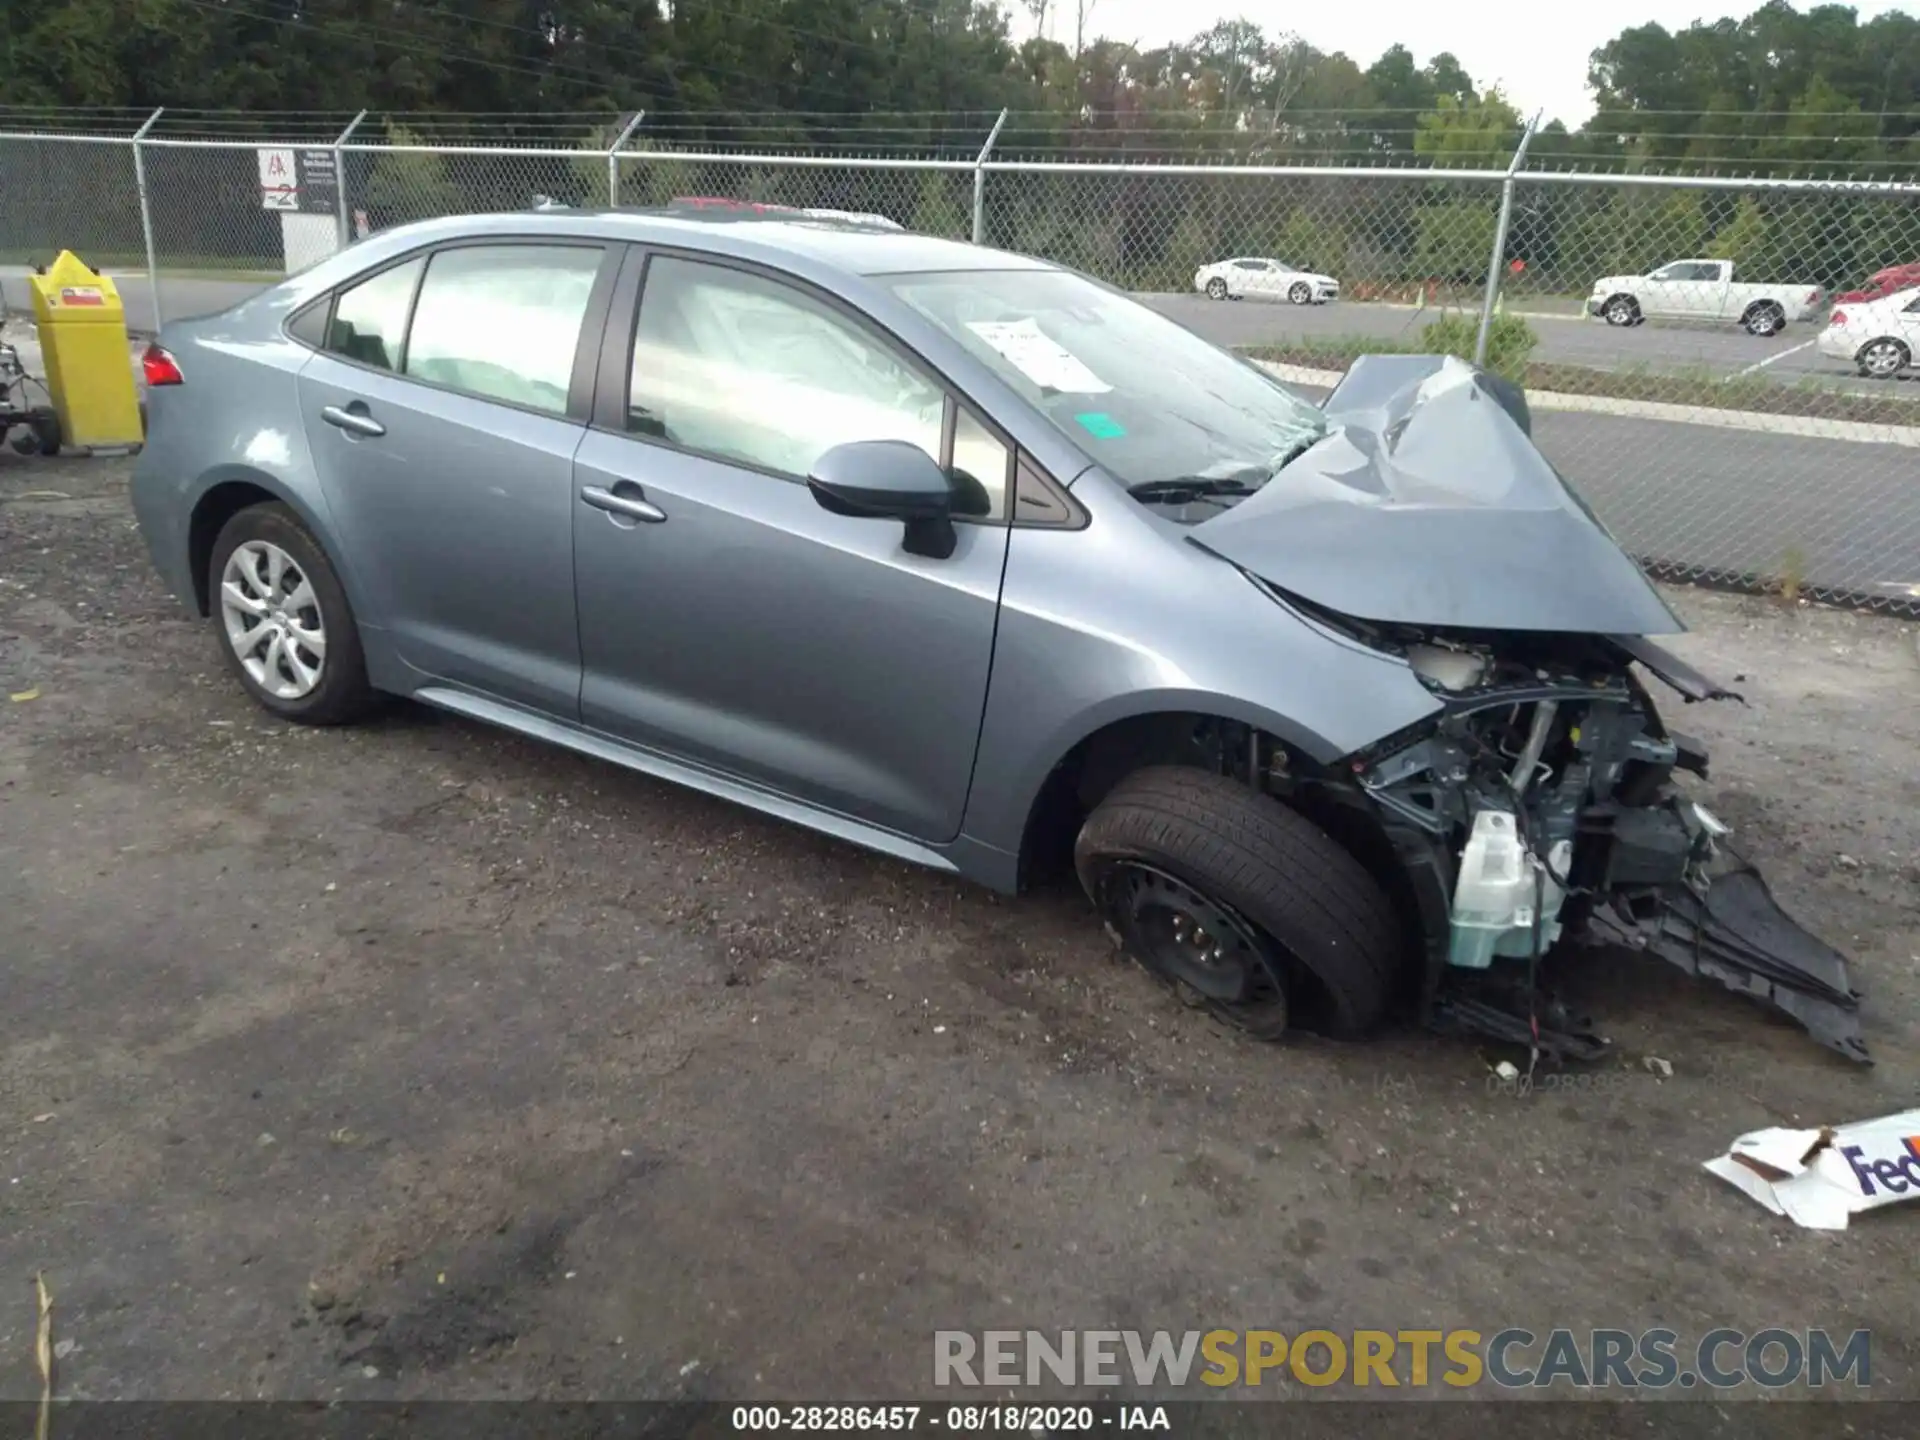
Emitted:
<point x="1473" y="134"/>
<point x="408" y="185"/>
<point x="1453" y="241"/>
<point x="937" y="210"/>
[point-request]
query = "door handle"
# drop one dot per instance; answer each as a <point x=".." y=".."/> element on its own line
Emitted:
<point x="631" y="507"/>
<point x="357" y="422"/>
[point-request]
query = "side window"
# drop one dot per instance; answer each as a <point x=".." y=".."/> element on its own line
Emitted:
<point x="981" y="466"/>
<point x="1249" y="265"/>
<point x="309" y="326"/>
<point x="503" y="321"/>
<point x="1913" y="306"/>
<point x="370" y="319"/>
<point x="758" y="372"/>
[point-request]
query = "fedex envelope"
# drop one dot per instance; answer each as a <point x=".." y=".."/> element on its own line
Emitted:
<point x="1817" y="1178"/>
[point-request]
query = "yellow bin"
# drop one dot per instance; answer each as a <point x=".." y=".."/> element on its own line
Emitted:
<point x="89" y="363"/>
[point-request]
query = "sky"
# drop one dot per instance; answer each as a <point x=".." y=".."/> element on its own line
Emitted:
<point x="1536" y="53"/>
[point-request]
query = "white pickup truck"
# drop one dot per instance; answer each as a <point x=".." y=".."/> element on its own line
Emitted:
<point x="1702" y="291"/>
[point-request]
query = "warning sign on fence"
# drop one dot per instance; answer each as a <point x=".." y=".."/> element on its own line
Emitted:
<point x="299" y="180"/>
<point x="279" y="180"/>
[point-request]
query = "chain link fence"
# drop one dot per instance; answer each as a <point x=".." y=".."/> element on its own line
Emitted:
<point x="1700" y="365"/>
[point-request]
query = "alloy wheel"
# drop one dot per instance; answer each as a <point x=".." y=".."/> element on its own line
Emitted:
<point x="1301" y="293"/>
<point x="1883" y="358"/>
<point x="272" y="620"/>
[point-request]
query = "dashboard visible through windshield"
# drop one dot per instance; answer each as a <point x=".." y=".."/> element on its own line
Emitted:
<point x="1175" y="419"/>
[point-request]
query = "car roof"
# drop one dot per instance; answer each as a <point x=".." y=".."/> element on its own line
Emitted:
<point x="846" y="245"/>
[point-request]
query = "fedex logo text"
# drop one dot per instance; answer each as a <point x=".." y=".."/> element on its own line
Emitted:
<point x="1895" y="1176"/>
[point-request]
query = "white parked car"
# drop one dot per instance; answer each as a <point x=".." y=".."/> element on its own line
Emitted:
<point x="1703" y="291"/>
<point x="1248" y="277"/>
<point x="1882" y="336"/>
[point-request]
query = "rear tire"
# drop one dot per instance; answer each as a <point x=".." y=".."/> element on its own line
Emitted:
<point x="1764" y="319"/>
<point x="1621" y="310"/>
<point x="1883" y="359"/>
<point x="1234" y="899"/>
<point x="283" y="621"/>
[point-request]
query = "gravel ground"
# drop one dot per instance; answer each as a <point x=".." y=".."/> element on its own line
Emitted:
<point x="421" y="1061"/>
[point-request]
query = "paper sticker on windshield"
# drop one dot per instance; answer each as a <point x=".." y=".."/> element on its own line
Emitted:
<point x="1039" y="357"/>
<point x="1101" y="425"/>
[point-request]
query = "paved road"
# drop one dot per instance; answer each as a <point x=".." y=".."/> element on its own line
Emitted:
<point x="1788" y="358"/>
<point x="1729" y="504"/>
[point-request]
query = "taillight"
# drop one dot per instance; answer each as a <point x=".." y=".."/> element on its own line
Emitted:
<point x="1839" y="317"/>
<point x="159" y="367"/>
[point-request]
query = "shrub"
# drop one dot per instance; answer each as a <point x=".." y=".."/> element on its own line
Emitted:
<point x="1510" y="341"/>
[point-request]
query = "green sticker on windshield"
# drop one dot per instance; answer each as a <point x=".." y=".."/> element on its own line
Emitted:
<point x="1101" y="425"/>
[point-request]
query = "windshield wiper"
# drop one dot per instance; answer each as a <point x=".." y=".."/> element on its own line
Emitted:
<point x="1191" y="487"/>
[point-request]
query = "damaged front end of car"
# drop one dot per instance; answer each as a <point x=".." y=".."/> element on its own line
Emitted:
<point x="1541" y="799"/>
<point x="1542" y="804"/>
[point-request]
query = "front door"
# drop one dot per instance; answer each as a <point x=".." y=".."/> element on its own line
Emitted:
<point x="729" y="620"/>
<point x="438" y="416"/>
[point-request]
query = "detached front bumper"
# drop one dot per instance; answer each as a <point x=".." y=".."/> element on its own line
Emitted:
<point x="1736" y="933"/>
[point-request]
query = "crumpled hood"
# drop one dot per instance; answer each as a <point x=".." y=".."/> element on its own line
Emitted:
<point x="1426" y="504"/>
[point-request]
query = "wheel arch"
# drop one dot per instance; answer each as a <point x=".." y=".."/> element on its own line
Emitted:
<point x="224" y="492"/>
<point x="1106" y="743"/>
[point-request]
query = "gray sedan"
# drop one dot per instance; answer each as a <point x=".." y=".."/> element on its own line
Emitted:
<point x="973" y="560"/>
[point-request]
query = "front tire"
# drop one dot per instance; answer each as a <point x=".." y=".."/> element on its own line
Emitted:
<point x="1216" y="289"/>
<point x="283" y="621"/>
<point x="1301" y="293"/>
<point x="1241" y="903"/>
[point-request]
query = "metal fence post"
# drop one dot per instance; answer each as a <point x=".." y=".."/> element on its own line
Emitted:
<point x="1494" y="262"/>
<point x="146" y="214"/>
<point x="980" y="182"/>
<point x="345" y="215"/>
<point x="613" y="158"/>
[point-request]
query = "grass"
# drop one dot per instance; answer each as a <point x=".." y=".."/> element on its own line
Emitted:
<point x="1754" y="394"/>
<point x="172" y="267"/>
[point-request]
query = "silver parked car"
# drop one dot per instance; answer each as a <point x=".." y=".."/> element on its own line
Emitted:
<point x="971" y="559"/>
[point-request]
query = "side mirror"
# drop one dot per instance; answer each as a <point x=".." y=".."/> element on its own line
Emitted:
<point x="889" y="480"/>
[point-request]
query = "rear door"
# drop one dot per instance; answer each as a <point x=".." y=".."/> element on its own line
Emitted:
<point x="729" y="620"/>
<point x="443" y="416"/>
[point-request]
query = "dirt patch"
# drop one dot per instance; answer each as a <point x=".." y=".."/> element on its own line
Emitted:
<point x="420" y="1060"/>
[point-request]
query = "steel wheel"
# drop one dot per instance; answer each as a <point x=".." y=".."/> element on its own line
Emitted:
<point x="1216" y="289"/>
<point x="273" y="620"/>
<point x="1301" y="293"/>
<point x="1208" y="953"/>
<point x="1883" y="359"/>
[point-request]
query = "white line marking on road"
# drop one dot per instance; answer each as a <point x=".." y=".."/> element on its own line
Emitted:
<point x="1772" y="359"/>
<point x="1810" y="426"/>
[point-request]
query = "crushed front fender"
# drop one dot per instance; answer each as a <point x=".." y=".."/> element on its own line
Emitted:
<point x="1736" y="932"/>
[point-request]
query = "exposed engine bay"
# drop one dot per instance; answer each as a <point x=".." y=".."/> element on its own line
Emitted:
<point x="1542" y="803"/>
